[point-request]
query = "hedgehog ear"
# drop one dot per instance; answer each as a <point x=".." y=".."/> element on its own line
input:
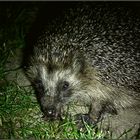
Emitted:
<point x="78" y="65"/>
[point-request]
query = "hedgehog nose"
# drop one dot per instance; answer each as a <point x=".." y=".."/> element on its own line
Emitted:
<point x="51" y="112"/>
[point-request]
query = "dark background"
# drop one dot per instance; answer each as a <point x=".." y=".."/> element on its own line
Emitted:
<point x="32" y="23"/>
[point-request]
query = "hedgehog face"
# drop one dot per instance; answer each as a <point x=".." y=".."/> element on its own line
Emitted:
<point x="60" y="81"/>
<point x="56" y="91"/>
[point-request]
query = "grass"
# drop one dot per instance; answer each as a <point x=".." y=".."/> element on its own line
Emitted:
<point x="20" y="118"/>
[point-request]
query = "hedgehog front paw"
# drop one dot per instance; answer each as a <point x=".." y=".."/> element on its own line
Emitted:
<point x="82" y="120"/>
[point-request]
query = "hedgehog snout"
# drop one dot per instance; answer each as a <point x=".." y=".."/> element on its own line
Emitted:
<point x="51" y="113"/>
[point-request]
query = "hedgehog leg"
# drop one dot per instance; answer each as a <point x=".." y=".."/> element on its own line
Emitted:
<point x="92" y="118"/>
<point x="96" y="112"/>
<point x="81" y="120"/>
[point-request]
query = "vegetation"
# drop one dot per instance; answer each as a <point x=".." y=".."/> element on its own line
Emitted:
<point x="20" y="117"/>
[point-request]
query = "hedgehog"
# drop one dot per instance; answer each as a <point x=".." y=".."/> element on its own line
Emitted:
<point x="86" y="64"/>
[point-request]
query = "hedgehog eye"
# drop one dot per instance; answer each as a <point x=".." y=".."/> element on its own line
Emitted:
<point x="65" y="85"/>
